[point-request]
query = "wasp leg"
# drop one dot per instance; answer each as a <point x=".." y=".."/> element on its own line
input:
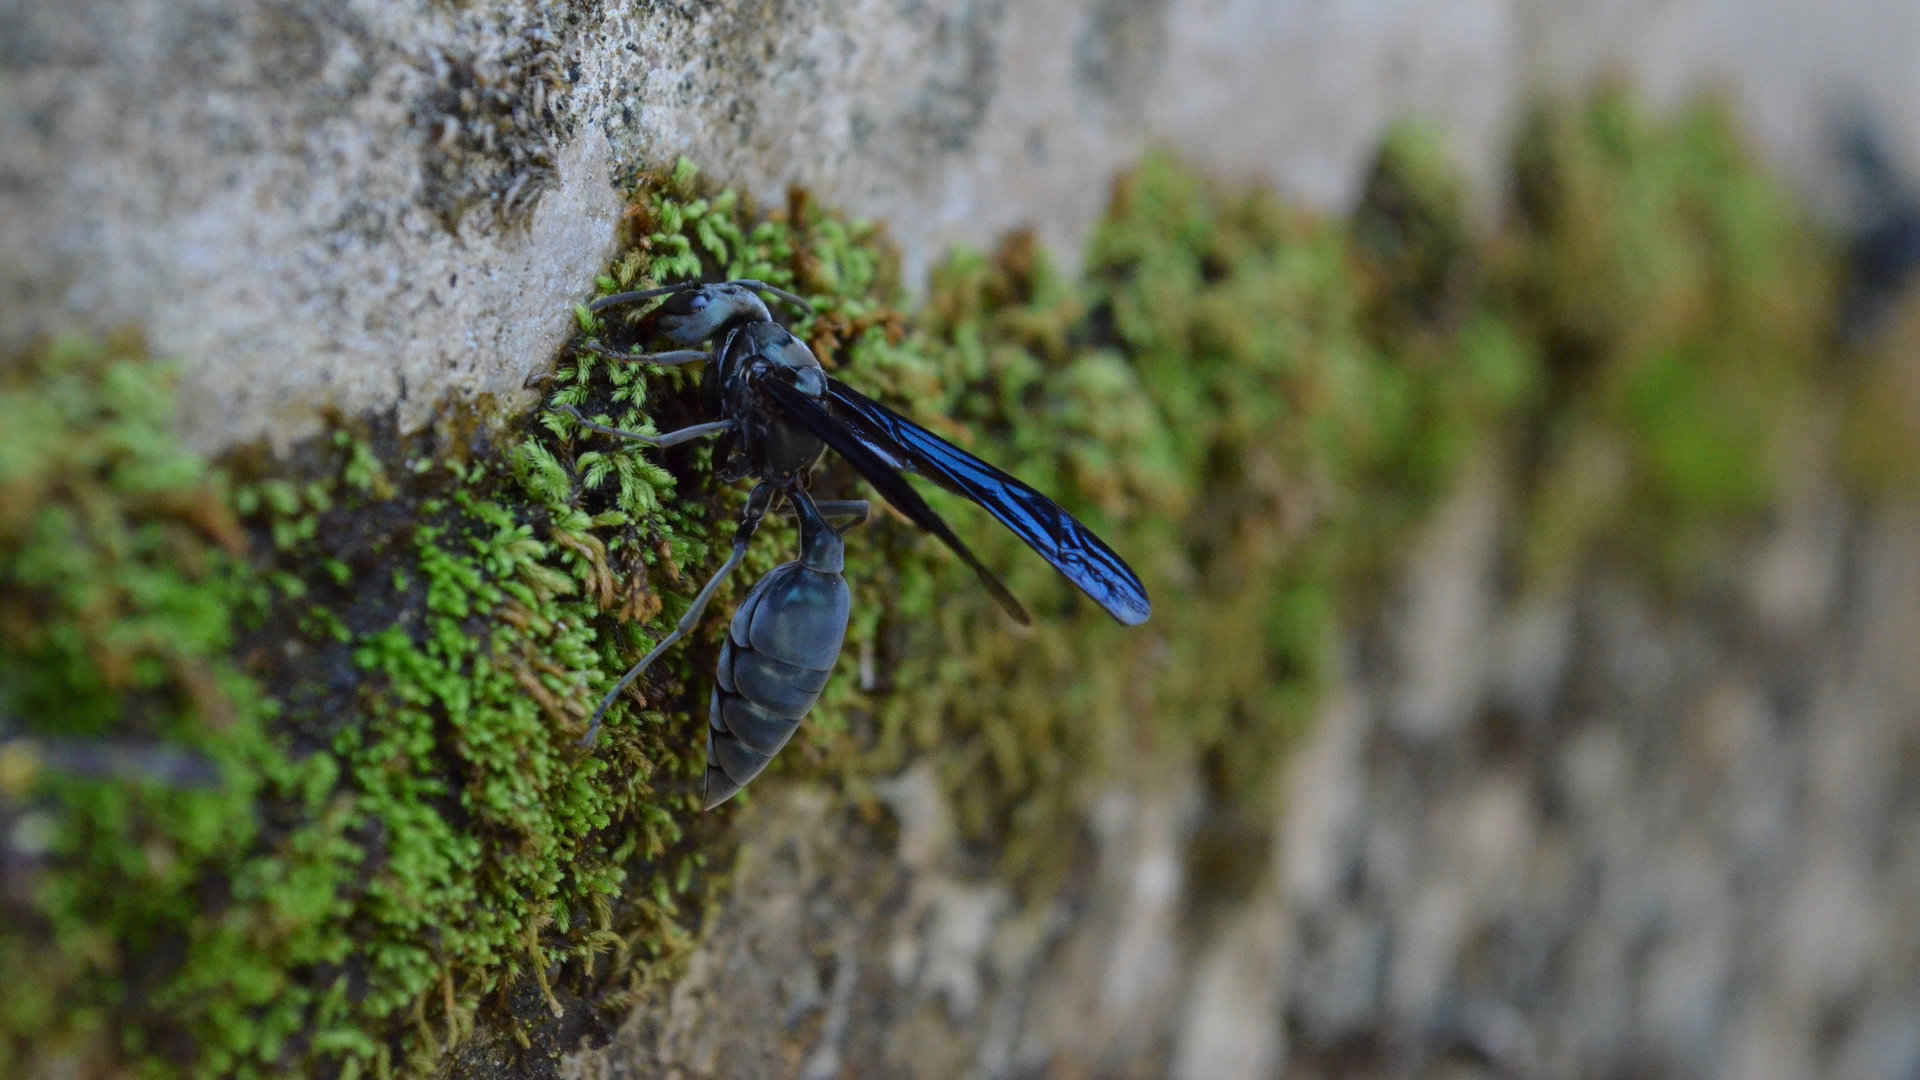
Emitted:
<point x="672" y="358"/>
<point x="757" y="504"/>
<point x="671" y="438"/>
<point x="857" y="509"/>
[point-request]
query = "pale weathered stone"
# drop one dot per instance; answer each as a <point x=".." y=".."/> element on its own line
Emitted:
<point x="326" y="207"/>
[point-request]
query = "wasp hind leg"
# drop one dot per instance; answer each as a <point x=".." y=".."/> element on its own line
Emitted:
<point x="758" y="502"/>
<point x="857" y="509"/>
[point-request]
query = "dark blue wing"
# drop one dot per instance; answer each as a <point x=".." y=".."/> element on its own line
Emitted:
<point x="883" y="473"/>
<point x="1068" y="545"/>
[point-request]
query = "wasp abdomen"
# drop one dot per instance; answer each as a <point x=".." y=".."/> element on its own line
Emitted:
<point x="780" y="650"/>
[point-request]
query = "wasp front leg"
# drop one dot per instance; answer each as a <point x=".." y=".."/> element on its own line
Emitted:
<point x="671" y="358"/>
<point x="671" y="438"/>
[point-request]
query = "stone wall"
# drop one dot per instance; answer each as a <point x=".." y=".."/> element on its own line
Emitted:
<point x="1586" y="833"/>
<point x="1599" y="827"/>
<point x="386" y="205"/>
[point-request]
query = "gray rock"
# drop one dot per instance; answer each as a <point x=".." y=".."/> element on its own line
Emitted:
<point x="375" y="206"/>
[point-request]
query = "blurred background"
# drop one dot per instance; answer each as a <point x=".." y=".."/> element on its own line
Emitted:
<point x="1513" y="408"/>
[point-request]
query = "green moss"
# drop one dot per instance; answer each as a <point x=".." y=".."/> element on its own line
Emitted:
<point x="1681" y="304"/>
<point x="341" y="877"/>
<point x="397" y="845"/>
<point x="138" y="742"/>
<point x="1216" y="403"/>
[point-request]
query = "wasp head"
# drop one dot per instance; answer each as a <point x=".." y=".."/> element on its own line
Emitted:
<point x="701" y="313"/>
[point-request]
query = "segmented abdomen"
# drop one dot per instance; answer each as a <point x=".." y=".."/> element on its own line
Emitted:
<point x="780" y="648"/>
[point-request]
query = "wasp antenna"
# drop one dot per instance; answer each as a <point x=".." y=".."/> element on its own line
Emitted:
<point x="644" y="294"/>
<point x="797" y="301"/>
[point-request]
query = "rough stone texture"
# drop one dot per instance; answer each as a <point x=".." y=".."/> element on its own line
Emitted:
<point x="1645" y="841"/>
<point x="330" y="206"/>
<point x="269" y="191"/>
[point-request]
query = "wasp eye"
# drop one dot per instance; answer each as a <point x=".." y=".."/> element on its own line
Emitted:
<point x="687" y="303"/>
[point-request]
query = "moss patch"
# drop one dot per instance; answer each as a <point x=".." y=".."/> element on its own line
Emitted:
<point x="1683" y="306"/>
<point x="289" y="778"/>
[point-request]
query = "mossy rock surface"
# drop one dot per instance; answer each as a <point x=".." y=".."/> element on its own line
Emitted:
<point x="290" y="774"/>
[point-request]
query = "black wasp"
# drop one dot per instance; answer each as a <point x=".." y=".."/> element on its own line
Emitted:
<point x="779" y="411"/>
